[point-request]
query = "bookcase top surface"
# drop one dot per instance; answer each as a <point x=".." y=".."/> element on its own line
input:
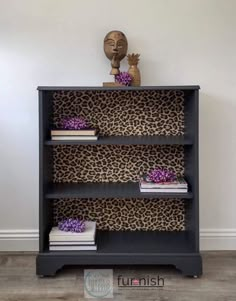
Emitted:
<point x="99" y="88"/>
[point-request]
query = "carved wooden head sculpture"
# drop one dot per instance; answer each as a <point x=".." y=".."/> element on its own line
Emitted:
<point x="115" y="48"/>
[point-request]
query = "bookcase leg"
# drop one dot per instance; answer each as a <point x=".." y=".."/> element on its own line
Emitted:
<point x="190" y="266"/>
<point x="47" y="267"/>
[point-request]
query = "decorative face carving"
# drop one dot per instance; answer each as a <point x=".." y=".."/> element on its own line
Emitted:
<point x="115" y="48"/>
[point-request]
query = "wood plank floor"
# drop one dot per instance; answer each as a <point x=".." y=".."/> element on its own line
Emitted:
<point x="18" y="281"/>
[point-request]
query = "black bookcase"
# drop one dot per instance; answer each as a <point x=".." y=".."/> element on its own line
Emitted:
<point x="175" y="245"/>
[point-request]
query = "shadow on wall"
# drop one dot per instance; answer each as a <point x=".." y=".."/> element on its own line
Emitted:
<point x="217" y="161"/>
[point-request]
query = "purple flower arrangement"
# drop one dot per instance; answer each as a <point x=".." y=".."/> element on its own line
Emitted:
<point x="159" y="175"/>
<point x="74" y="123"/>
<point x="72" y="225"/>
<point x="123" y="78"/>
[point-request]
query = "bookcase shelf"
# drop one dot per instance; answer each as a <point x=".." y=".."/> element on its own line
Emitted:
<point x="169" y="119"/>
<point x="124" y="242"/>
<point x="128" y="140"/>
<point x="137" y="248"/>
<point x="106" y="190"/>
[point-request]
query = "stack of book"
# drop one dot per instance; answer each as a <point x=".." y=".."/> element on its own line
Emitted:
<point x="177" y="186"/>
<point x="72" y="241"/>
<point x="85" y="134"/>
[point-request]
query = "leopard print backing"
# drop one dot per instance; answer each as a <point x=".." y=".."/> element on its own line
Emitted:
<point x="117" y="163"/>
<point x="124" y="214"/>
<point x="146" y="112"/>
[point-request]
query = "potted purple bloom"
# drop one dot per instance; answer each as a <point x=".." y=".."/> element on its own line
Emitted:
<point x="74" y="123"/>
<point x="159" y="175"/>
<point x="123" y="78"/>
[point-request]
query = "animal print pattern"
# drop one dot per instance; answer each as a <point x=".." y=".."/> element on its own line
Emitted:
<point x="145" y="112"/>
<point x="117" y="163"/>
<point x="124" y="214"/>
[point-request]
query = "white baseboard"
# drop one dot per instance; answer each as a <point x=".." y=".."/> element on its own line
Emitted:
<point x="19" y="240"/>
<point x="27" y="240"/>
<point x="217" y="239"/>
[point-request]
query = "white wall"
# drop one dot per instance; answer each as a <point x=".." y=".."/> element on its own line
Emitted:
<point x="58" y="42"/>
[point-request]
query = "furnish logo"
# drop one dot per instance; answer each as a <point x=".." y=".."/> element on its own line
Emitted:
<point x="98" y="283"/>
<point x="143" y="282"/>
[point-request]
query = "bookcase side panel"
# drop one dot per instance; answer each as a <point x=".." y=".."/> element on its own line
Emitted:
<point x="191" y="155"/>
<point x="45" y="168"/>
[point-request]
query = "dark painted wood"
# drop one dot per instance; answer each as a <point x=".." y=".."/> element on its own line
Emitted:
<point x="105" y="190"/>
<point x="190" y="264"/>
<point x="192" y="165"/>
<point x="117" y="242"/>
<point x="177" y="248"/>
<point x="129" y="140"/>
<point x="123" y="248"/>
<point x="99" y="88"/>
<point x="129" y="242"/>
<point x="45" y="169"/>
<point x="195" y="164"/>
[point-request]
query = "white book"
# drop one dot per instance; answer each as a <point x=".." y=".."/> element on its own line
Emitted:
<point x="73" y="243"/>
<point x="160" y="190"/>
<point x="163" y="186"/>
<point x="180" y="182"/>
<point x="87" y="235"/>
<point x="75" y="238"/>
<point x="83" y="132"/>
<point x="76" y="138"/>
<point x="73" y="248"/>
